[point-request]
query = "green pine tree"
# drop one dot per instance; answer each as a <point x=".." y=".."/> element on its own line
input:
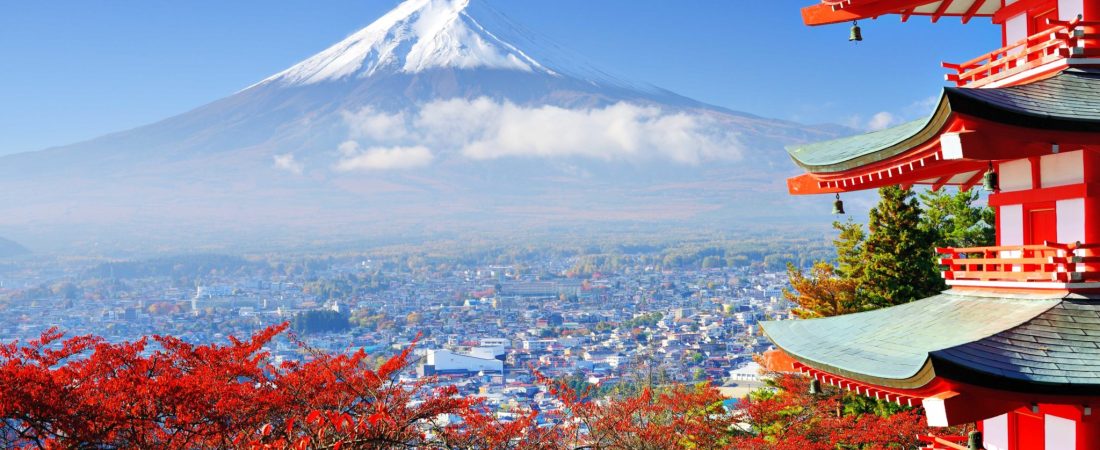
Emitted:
<point x="849" y="249"/>
<point x="899" y="265"/>
<point x="955" y="221"/>
<point x="829" y="289"/>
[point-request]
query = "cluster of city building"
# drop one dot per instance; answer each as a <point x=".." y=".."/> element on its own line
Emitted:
<point x="487" y="330"/>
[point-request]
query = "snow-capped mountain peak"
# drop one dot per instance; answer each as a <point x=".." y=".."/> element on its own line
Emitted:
<point x="416" y="36"/>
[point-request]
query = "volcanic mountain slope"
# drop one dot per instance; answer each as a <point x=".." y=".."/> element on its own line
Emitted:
<point x="442" y="114"/>
<point x="9" y="248"/>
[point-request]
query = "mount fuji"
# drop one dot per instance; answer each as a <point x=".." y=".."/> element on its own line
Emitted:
<point x="442" y="115"/>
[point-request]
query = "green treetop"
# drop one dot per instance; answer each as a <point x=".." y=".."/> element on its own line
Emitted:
<point x="955" y="221"/>
<point x="899" y="264"/>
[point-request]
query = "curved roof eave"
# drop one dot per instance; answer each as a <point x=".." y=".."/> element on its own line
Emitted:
<point x="893" y="347"/>
<point x="1068" y="101"/>
<point x="840" y="11"/>
<point x="848" y="153"/>
<point x="1056" y="350"/>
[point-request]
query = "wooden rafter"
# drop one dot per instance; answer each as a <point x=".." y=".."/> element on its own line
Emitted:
<point x="839" y="11"/>
<point x="940" y="183"/>
<point x="941" y="10"/>
<point x="972" y="10"/>
<point x="877" y="4"/>
<point x="859" y="388"/>
<point x="1020" y="6"/>
<point x="968" y="184"/>
<point x="925" y="170"/>
<point x="825" y="13"/>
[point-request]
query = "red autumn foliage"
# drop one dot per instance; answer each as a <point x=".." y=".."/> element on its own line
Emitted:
<point x="85" y="393"/>
<point x="794" y="419"/>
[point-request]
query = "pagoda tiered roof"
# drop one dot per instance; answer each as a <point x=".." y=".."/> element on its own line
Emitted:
<point x="837" y="11"/>
<point x="1028" y="343"/>
<point x="954" y="145"/>
<point x="1014" y="346"/>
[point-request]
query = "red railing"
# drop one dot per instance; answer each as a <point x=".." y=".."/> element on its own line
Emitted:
<point x="1050" y="262"/>
<point x="944" y="442"/>
<point x="1061" y="41"/>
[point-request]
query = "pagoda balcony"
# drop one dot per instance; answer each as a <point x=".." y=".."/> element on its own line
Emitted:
<point x="944" y="442"/>
<point x="1048" y="266"/>
<point x="1062" y="45"/>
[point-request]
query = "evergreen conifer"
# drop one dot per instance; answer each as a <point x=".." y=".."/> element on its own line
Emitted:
<point x="899" y="255"/>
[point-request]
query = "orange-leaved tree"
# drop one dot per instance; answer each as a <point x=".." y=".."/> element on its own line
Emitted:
<point x="823" y="293"/>
<point x="87" y="393"/>
<point x="164" y="393"/>
<point x="831" y="290"/>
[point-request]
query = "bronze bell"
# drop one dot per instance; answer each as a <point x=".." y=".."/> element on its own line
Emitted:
<point x="974" y="440"/>
<point x="815" y="387"/>
<point x="838" y="205"/>
<point x="990" y="180"/>
<point x="856" y="35"/>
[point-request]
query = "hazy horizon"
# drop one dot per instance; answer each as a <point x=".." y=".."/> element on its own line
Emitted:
<point x="189" y="55"/>
<point x="438" y="118"/>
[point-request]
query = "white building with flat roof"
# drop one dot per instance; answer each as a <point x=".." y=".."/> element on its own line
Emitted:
<point x="446" y="362"/>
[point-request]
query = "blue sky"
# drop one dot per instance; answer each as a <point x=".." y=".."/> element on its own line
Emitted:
<point x="74" y="70"/>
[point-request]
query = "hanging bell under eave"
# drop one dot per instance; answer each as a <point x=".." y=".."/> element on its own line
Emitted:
<point x="838" y="205"/>
<point x="856" y="34"/>
<point x="990" y="181"/>
<point x="974" y="440"/>
<point x="815" y="387"/>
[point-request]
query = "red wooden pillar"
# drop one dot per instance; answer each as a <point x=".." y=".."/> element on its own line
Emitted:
<point x="1088" y="430"/>
<point x="1090" y="11"/>
<point x="1091" y="162"/>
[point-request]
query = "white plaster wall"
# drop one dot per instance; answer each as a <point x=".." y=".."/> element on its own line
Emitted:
<point x="951" y="146"/>
<point x="1071" y="220"/>
<point x="1069" y="9"/>
<point x="1062" y="169"/>
<point x="935" y="412"/>
<point x="1012" y="224"/>
<point x="1015" y="175"/>
<point x="995" y="433"/>
<point x="1016" y="29"/>
<point x="1060" y="433"/>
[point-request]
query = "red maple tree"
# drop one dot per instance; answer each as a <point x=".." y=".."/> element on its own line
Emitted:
<point x="83" y="392"/>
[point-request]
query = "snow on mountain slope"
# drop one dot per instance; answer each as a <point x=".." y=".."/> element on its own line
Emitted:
<point x="416" y="36"/>
<point x="442" y="113"/>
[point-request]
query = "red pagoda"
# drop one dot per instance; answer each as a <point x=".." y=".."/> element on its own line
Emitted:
<point x="1014" y="344"/>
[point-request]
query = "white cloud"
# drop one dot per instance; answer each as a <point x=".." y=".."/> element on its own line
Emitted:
<point x="348" y="149"/>
<point x="885" y="119"/>
<point x="882" y="121"/>
<point x="484" y="129"/>
<point x="878" y="121"/>
<point x="384" y="158"/>
<point x="369" y="124"/>
<point x="854" y="121"/>
<point x="288" y="163"/>
<point x="924" y="107"/>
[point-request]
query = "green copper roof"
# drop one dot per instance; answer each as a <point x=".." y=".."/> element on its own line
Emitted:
<point x="891" y="347"/>
<point x="1050" y="353"/>
<point x="838" y="151"/>
<point x="1069" y="101"/>
<point x="854" y="151"/>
